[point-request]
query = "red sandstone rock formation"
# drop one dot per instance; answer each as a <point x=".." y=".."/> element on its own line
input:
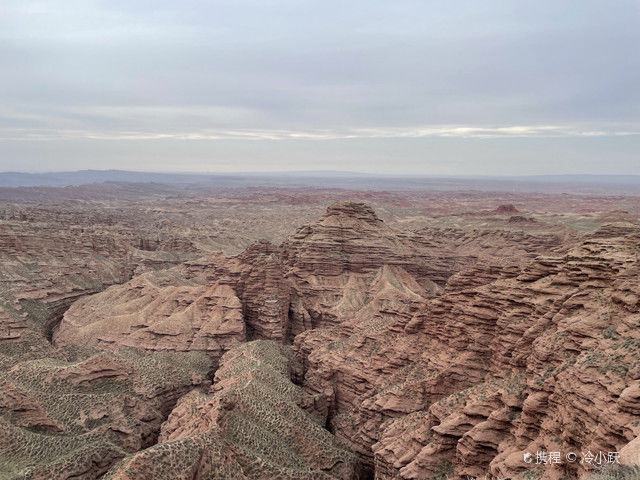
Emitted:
<point x="329" y="264"/>
<point x="438" y="352"/>
<point x="157" y="311"/>
<point x="507" y="209"/>
<point x="478" y="377"/>
<point x="275" y="292"/>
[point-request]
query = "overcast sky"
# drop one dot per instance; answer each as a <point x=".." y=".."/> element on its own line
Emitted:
<point x="430" y="87"/>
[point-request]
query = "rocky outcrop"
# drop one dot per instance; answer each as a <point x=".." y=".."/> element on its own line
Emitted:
<point x="330" y="262"/>
<point x="249" y="426"/>
<point x="257" y="275"/>
<point x="521" y="219"/>
<point x="316" y="279"/>
<point x="52" y="256"/>
<point x="506" y="209"/>
<point x="211" y="304"/>
<point x="74" y="419"/>
<point x="168" y="310"/>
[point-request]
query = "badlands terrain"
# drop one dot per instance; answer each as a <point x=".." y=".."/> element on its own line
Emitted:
<point x="150" y="331"/>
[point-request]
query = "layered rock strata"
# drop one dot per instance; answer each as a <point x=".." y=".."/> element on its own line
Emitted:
<point x="168" y="310"/>
<point x="477" y="378"/>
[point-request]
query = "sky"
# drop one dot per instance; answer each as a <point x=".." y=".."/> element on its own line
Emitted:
<point x="450" y="87"/>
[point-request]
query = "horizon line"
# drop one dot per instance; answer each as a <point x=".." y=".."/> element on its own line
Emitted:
<point x="314" y="172"/>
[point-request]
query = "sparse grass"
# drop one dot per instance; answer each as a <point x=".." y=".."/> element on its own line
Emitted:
<point x="443" y="471"/>
<point x="618" y="472"/>
<point x="533" y="474"/>
<point x="87" y="412"/>
<point x="610" y="333"/>
<point x="258" y="419"/>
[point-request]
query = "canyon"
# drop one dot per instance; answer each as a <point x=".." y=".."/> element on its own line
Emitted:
<point x="259" y="333"/>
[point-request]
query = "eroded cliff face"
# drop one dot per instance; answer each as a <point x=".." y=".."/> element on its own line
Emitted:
<point x="476" y="378"/>
<point x="329" y="264"/>
<point x="440" y="352"/>
<point x="210" y="305"/>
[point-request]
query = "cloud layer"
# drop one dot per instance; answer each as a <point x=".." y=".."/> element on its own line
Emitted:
<point x="78" y="71"/>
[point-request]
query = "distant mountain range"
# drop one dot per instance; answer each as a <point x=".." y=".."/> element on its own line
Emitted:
<point x="605" y="184"/>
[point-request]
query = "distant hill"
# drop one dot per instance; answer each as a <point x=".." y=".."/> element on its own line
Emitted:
<point x="593" y="184"/>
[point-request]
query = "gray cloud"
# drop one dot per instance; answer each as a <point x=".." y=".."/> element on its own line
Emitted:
<point x="79" y="74"/>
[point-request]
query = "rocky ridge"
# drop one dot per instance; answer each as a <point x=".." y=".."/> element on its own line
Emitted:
<point x="251" y="424"/>
<point x="73" y="419"/>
